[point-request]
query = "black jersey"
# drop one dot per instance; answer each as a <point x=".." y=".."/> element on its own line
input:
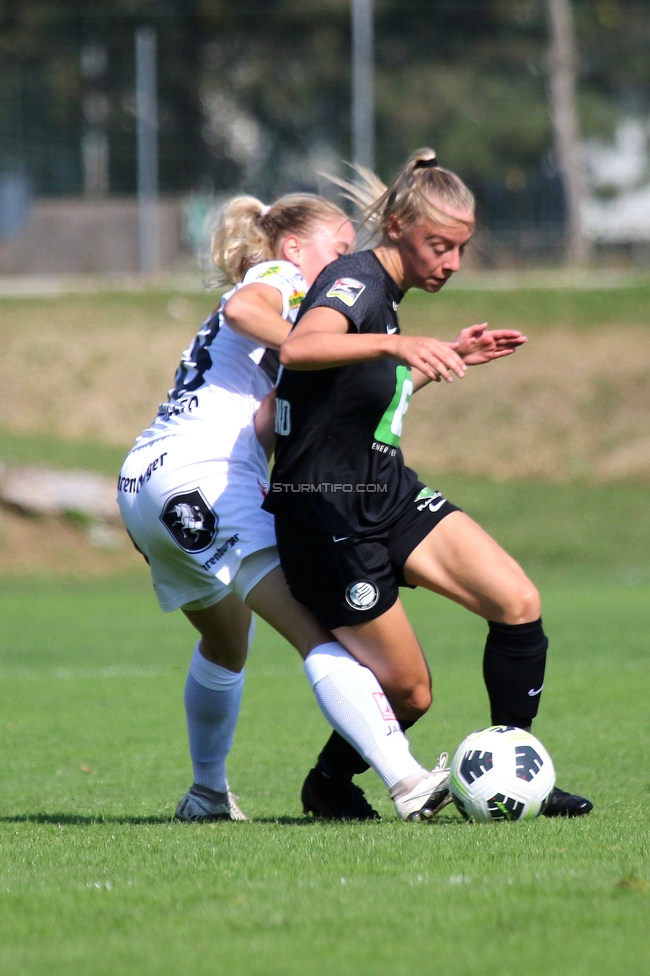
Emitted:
<point x="338" y="463"/>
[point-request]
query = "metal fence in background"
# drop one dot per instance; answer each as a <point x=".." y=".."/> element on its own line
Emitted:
<point x="258" y="96"/>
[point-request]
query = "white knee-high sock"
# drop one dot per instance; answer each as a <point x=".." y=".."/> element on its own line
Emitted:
<point x="351" y="699"/>
<point x="212" y="701"/>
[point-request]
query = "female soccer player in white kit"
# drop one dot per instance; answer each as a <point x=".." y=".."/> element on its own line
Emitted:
<point x="190" y="494"/>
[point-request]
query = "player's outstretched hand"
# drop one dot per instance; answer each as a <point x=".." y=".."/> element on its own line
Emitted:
<point x="435" y="359"/>
<point x="478" y="344"/>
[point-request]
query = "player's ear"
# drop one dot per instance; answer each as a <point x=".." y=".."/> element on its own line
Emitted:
<point x="394" y="228"/>
<point x="291" y="248"/>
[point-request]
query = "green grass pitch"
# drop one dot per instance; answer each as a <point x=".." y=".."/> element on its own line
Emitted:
<point x="96" y="879"/>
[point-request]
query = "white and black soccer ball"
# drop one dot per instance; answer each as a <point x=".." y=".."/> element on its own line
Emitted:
<point x="501" y="773"/>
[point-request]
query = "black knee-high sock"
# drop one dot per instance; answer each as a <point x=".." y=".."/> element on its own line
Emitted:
<point x="513" y="669"/>
<point x="341" y="761"/>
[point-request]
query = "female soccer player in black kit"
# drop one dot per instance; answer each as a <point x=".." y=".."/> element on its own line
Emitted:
<point x="353" y="523"/>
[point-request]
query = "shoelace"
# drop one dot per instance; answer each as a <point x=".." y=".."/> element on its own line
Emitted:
<point x="442" y="762"/>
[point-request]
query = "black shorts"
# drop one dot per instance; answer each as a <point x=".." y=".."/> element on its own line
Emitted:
<point x="349" y="580"/>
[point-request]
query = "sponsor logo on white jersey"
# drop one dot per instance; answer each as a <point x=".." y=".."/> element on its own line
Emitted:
<point x="362" y="595"/>
<point x="273" y="269"/>
<point x="347" y="290"/>
<point x="295" y="298"/>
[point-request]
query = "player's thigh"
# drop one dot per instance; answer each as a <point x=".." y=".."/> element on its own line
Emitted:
<point x="257" y="585"/>
<point x="350" y="586"/>
<point x="224" y="629"/>
<point x="387" y="645"/>
<point x="272" y="600"/>
<point x="459" y="560"/>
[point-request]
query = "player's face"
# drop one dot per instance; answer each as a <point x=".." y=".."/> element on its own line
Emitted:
<point x="329" y="239"/>
<point x="432" y="252"/>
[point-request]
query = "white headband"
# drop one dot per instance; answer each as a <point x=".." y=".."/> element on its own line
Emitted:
<point x="264" y="211"/>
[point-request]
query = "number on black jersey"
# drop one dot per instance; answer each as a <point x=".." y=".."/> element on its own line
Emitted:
<point x="282" y="424"/>
<point x="389" y="428"/>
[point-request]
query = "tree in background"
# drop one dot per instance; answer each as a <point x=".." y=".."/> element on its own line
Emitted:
<point x="255" y="94"/>
<point x="562" y="76"/>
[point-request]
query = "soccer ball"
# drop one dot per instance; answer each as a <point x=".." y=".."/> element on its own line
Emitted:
<point x="501" y="773"/>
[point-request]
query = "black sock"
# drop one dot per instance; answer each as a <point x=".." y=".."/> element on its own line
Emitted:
<point x="341" y="761"/>
<point x="513" y="667"/>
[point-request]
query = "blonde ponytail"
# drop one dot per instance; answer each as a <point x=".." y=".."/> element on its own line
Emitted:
<point x="421" y="190"/>
<point x="238" y="239"/>
<point x="245" y="232"/>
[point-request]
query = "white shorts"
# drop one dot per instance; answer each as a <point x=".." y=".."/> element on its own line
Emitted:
<point x="197" y="521"/>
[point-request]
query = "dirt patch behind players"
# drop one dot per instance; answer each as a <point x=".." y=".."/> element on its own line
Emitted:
<point x="574" y="403"/>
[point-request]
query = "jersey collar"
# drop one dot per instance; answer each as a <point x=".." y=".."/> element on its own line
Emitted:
<point x="392" y="287"/>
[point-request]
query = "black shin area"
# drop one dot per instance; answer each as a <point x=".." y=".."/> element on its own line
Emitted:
<point x="339" y="760"/>
<point x="513" y="670"/>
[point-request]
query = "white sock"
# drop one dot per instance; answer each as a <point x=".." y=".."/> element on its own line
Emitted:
<point x="212" y="700"/>
<point x="351" y="699"/>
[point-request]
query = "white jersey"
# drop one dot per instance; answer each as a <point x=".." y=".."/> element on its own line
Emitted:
<point x="191" y="490"/>
<point x="223" y="376"/>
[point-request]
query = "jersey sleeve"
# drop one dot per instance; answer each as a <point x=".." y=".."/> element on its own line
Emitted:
<point x="283" y="276"/>
<point x="353" y="297"/>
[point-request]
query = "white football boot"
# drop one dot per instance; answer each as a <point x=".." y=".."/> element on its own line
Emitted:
<point x="421" y="800"/>
<point x="201" y="804"/>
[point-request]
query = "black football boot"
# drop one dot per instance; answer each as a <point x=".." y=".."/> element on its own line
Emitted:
<point x="563" y="804"/>
<point x="332" y="799"/>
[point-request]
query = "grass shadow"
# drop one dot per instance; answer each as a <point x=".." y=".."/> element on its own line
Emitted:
<point x="86" y="820"/>
<point x="291" y="821"/>
<point x="77" y="819"/>
<point x="81" y="820"/>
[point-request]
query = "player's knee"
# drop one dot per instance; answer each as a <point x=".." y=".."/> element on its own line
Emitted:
<point x="412" y="700"/>
<point x="523" y="604"/>
<point x="421" y="699"/>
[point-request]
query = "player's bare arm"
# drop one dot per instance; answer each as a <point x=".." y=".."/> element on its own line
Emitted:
<point x="255" y="311"/>
<point x="321" y="341"/>
<point x="264" y="418"/>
